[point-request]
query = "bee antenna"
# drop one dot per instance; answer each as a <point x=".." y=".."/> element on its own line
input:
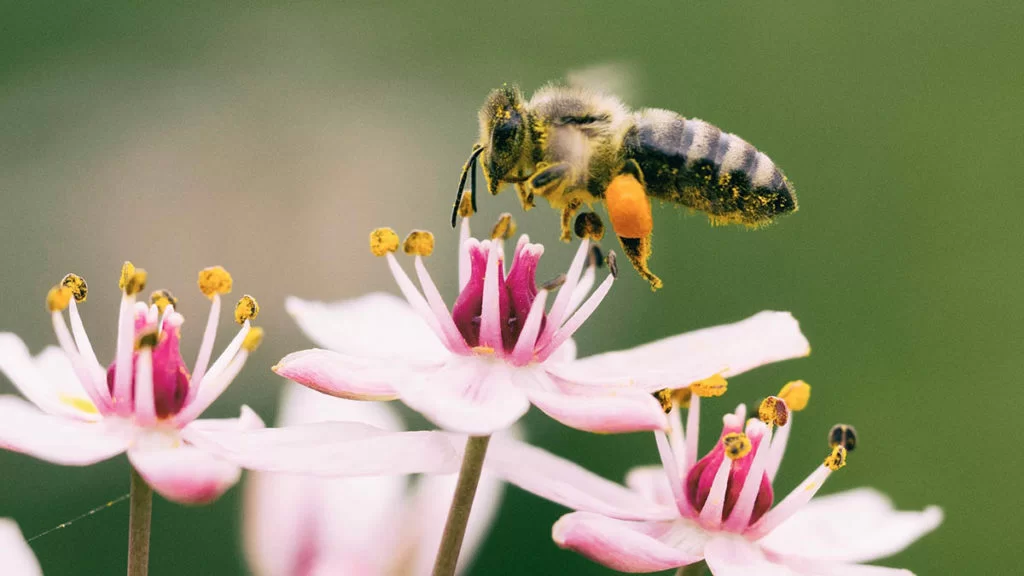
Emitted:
<point x="469" y="168"/>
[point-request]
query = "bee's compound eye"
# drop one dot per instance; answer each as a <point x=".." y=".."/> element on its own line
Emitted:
<point x="843" y="435"/>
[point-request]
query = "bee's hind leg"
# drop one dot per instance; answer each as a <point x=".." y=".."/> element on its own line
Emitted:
<point x="629" y="210"/>
<point x="525" y="194"/>
<point x="638" y="250"/>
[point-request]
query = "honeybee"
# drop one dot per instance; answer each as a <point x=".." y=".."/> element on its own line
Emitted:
<point x="575" y="146"/>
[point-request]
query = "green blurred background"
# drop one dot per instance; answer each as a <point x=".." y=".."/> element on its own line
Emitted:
<point x="270" y="138"/>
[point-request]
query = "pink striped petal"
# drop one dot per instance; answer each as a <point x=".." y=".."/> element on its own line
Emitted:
<point x="184" y="474"/>
<point x="56" y="439"/>
<point x="377" y="325"/>
<point x="854" y="526"/>
<point x="469" y="395"/>
<point x="619" y="544"/>
<point x="330" y="449"/>
<point x="566" y="483"/>
<point x="16" y="558"/>
<point x="625" y="412"/>
<point x="347" y="376"/>
<point x="681" y="360"/>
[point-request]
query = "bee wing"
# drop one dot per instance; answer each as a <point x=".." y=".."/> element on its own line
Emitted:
<point x="618" y="78"/>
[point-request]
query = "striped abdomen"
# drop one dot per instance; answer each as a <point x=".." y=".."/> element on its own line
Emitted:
<point x="695" y="164"/>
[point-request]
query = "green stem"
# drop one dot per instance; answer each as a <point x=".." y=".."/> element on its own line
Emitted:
<point x="696" y="569"/>
<point x="462" y="503"/>
<point x="139" y="520"/>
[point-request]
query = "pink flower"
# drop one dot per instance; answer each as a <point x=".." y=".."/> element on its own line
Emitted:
<point x="146" y="402"/>
<point x="477" y="367"/>
<point x="303" y="526"/>
<point x="16" y="558"/>
<point x="718" y="509"/>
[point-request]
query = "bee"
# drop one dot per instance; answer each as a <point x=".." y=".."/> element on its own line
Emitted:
<point x="574" y="146"/>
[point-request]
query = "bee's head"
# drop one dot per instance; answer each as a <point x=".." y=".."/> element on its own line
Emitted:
<point x="504" y="131"/>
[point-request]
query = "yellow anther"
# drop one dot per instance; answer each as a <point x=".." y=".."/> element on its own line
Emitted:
<point x="162" y="299"/>
<point x="214" y="280"/>
<point x="78" y="287"/>
<point x="682" y="397"/>
<point x="419" y="243"/>
<point x="246" y="309"/>
<point x="843" y="435"/>
<point x="736" y="445"/>
<point x="796" y="394"/>
<point x="710" y="387"/>
<point x="589" y="225"/>
<point x="664" y="397"/>
<point x="466" y="206"/>
<point x="133" y="280"/>
<point x="58" y="298"/>
<point x="504" y="228"/>
<point x="147" y="340"/>
<point x="253" y="339"/>
<point x="483" y="350"/>
<point x="382" y="241"/>
<point x="78" y="403"/>
<point x="773" y="411"/>
<point x="837" y="459"/>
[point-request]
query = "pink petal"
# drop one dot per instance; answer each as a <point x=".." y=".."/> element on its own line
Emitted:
<point x="377" y="325"/>
<point x="651" y="482"/>
<point x="346" y="376"/>
<point x="425" y="515"/>
<point x="330" y="449"/>
<point x="470" y="395"/>
<point x="729" y="555"/>
<point x="297" y="522"/>
<point x="16" y="558"/>
<point x="618" y="544"/>
<point x="854" y="526"/>
<point x="627" y="411"/>
<point x="33" y="378"/>
<point x="57" y="439"/>
<point x="184" y="474"/>
<point x="681" y="360"/>
<point x="569" y="484"/>
<point x="247" y="420"/>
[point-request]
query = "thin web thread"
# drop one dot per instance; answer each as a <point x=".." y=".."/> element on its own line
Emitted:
<point x="117" y="500"/>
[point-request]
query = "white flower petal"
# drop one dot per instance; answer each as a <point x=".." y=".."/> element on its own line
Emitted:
<point x="346" y="376"/>
<point x="623" y="545"/>
<point x="566" y="483"/>
<point x="57" y="439"/>
<point x="854" y="526"/>
<point x="16" y="558"/>
<point x="17" y="364"/>
<point x="468" y="395"/>
<point x="651" y="482"/>
<point x="184" y="473"/>
<point x="377" y="325"/>
<point x="681" y="360"/>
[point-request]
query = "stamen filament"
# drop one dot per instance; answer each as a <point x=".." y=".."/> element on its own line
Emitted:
<point x="213" y="386"/>
<point x="692" y="434"/>
<point x="205" y="347"/>
<point x="85" y="346"/>
<point x="121" y="396"/>
<point x="490" y="311"/>
<point x="677" y="437"/>
<point x="413" y="296"/>
<point x="586" y="283"/>
<point x="800" y="495"/>
<point x="578" y="318"/>
<point x="145" y="400"/>
<point x="465" y="268"/>
<point x="778" y="449"/>
<point x="671" y="466"/>
<point x="744" y="507"/>
<point x="456" y="342"/>
<point x="89" y="385"/>
<point x="561" y="305"/>
<point x="522" y="354"/>
<point x="225" y="357"/>
<point x="711" y="513"/>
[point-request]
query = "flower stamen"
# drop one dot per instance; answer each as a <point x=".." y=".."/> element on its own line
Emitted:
<point x="773" y="411"/>
<point x="246" y="309"/>
<point x="253" y="339"/>
<point x="79" y="289"/>
<point x="213" y="281"/>
<point x="796" y="394"/>
<point x="843" y="435"/>
<point x="57" y="298"/>
<point x="504" y="228"/>
<point x="133" y="280"/>
<point x="383" y="241"/>
<point x="837" y="459"/>
<point x="419" y="243"/>
<point x="710" y="387"/>
<point x="736" y="445"/>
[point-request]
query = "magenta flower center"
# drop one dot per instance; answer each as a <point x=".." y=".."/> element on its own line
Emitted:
<point x="170" y="376"/>
<point x="702" y="476"/>
<point x="516" y="293"/>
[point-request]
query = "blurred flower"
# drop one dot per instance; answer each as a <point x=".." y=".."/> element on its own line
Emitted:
<point x="302" y="526"/>
<point x="477" y="368"/>
<point x="146" y="403"/>
<point x="719" y="509"/>
<point x="16" y="558"/>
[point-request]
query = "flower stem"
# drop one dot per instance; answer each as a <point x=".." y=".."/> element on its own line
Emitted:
<point x="462" y="502"/>
<point x="139" y="519"/>
<point x="695" y="569"/>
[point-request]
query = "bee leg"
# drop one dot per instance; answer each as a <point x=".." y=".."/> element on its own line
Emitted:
<point x="525" y="195"/>
<point x="567" y="224"/>
<point x="550" y="178"/>
<point x="638" y="250"/>
<point x="629" y="209"/>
